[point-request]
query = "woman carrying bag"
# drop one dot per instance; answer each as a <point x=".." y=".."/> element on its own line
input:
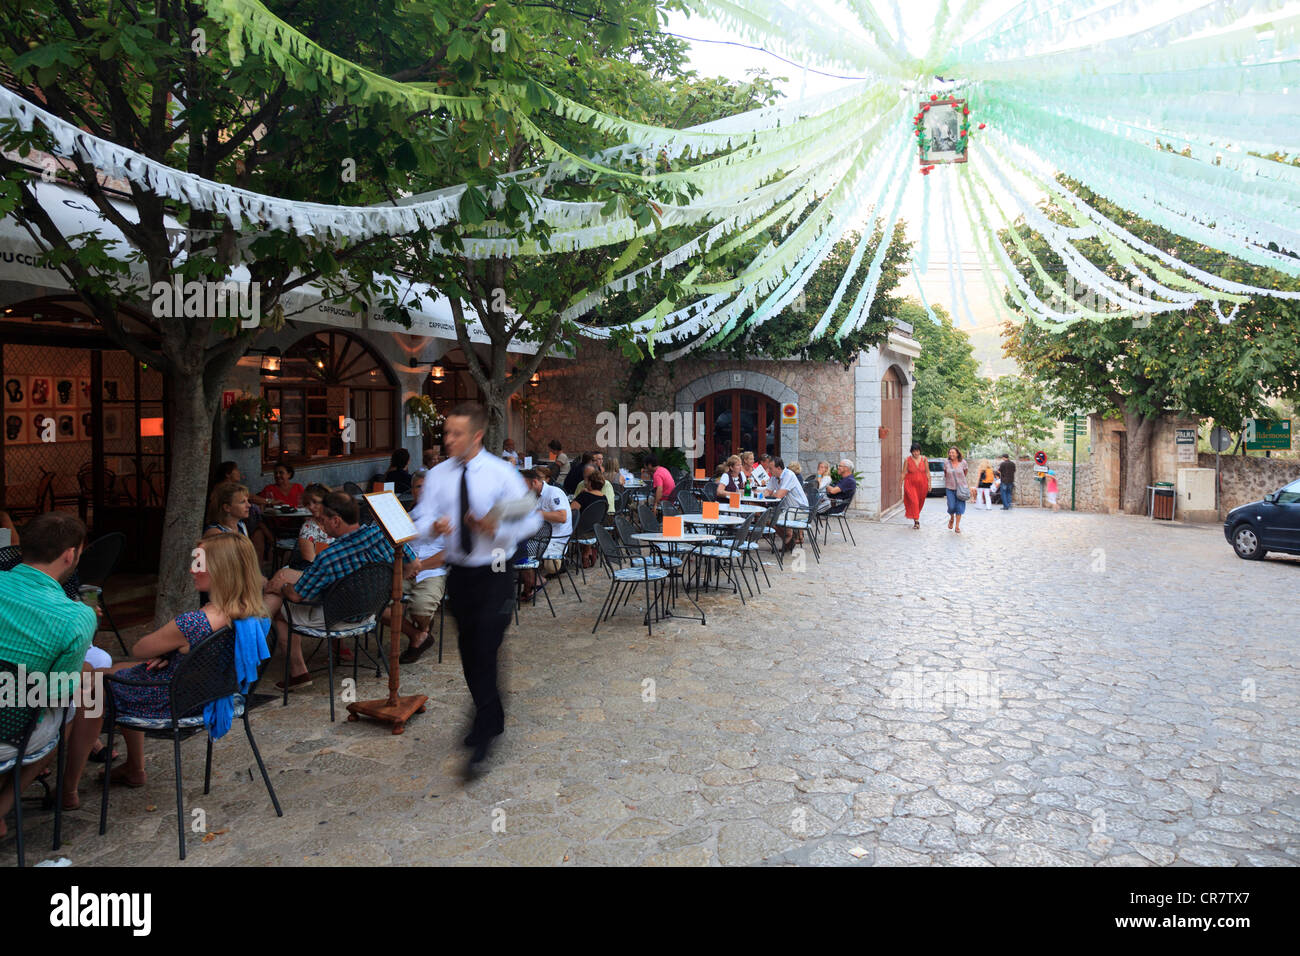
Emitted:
<point x="956" y="485"/>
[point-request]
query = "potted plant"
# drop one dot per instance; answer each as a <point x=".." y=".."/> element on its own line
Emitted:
<point x="248" y="419"/>
<point x="423" y="410"/>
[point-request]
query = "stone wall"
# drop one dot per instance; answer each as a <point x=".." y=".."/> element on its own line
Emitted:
<point x="1244" y="479"/>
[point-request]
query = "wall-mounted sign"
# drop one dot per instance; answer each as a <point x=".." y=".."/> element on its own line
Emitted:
<point x="227" y="399"/>
<point x="1262" y="435"/>
<point x="1185" y="442"/>
<point x="790" y="413"/>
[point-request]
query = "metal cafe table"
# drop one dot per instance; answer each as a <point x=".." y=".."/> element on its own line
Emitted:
<point x="693" y="541"/>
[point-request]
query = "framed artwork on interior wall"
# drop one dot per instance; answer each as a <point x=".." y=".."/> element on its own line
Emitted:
<point x="943" y="126"/>
<point x="112" y="423"/>
<point x="40" y="391"/>
<point x="65" y="391"/>
<point x="112" y="387"/>
<point x="83" y="426"/>
<point x="83" y="392"/>
<point x="37" y="429"/>
<point x="67" y="427"/>
<point x="15" y="428"/>
<point x="15" y="391"/>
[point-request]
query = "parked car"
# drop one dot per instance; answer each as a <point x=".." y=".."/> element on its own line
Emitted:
<point x="936" y="478"/>
<point x="1272" y="524"/>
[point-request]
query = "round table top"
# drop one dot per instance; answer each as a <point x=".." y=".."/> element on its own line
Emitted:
<point x="685" y="538"/>
<point x="743" y="509"/>
<point x="277" y="513"/>
<point x="765" y="502"/>
<point x="723" y="520"/>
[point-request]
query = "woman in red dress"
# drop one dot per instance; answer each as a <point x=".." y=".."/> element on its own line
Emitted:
<point x="916" y="484"/>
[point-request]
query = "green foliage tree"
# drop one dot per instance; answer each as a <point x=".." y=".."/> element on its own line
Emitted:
<point x="948" y="400"/>
<point x="156" y="77"/>
<point x="1016" y="414"/>
<point x="1176" y="362"/>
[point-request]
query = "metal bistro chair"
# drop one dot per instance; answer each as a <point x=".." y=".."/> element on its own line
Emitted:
<point x="799" y="518"/>
<point x="837" y="512"/>
<point x="727" y="556"/>
<point x="535" y="547"/>
<point x="589" y="519"/>
<point x="16" y="727"/>
<point x="750" y="545"/>
<point x="97" y="564"/>
<point x="646" y="517"/>
<point x="352" y="606"/>
<point x="670" y="510"/>
<point x="624" y="580"/>
<point x="687" y="502"/>
<point x="352" y="488"/>
<point x="206" y="674"/>
<point x="767" y="531"/>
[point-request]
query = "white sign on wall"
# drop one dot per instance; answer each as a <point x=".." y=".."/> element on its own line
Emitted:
<point x="1185" y="442"/>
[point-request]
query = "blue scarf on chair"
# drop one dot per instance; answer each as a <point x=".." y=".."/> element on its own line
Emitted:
<point x="250" y="651"/>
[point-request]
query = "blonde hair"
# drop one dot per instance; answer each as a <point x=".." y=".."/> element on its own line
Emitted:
<point x="826" y="463"/>
<point x="733" y="460"/>
<point x="985" y="465"/>
<point x="236" y="581"/>
<point x="747" y="457"/>
<point x="795" y="467"/>
<point x="223" y="495"/>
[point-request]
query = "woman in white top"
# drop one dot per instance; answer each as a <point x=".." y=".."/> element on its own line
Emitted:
<point x="823" y="475"/>
<point x="312" y="538"/>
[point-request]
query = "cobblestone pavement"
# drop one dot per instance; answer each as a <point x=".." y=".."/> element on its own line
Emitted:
<point x="1043" y="689"/>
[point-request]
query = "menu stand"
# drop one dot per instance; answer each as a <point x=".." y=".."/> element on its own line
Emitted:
<point x="393" y="709"/>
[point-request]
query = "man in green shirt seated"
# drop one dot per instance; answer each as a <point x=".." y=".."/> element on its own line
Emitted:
<point x="46" y="634"/>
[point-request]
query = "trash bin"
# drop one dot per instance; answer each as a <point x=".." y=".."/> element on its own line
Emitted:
<point x="1162" y="500"/>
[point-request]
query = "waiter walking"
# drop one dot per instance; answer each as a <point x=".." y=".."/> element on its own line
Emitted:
<point x="479" y="551"/>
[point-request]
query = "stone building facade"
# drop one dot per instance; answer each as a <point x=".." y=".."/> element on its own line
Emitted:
<point x="838" y="412"/>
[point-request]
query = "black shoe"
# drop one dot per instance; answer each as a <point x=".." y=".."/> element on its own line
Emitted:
<point x="480" y="752"/>
<point x="470" y="740"/>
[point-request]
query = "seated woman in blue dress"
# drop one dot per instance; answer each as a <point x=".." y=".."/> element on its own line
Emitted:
<point x="234" y="585"/>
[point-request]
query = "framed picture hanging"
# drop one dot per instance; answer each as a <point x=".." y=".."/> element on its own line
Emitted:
<point x="16" y="429"/>
<point x="40" y="391"/>
<point x="15" y="391"/>
<point x="942" y="128"/>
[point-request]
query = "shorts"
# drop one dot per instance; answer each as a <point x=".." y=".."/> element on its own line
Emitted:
<point x="43" y="734"/>
<point x="1051" y="497"/>
<point x="425" y="595"/>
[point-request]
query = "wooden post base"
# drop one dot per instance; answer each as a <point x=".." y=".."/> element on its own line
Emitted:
<point x="396" y="713"/>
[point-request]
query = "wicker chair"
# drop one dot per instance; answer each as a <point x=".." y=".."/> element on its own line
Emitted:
<point x="206" y="674"/>
<point x="352" y="607"/>
<point x="17" y="725"/>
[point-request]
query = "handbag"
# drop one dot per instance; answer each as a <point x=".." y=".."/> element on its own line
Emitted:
<point x="963" y="489"/>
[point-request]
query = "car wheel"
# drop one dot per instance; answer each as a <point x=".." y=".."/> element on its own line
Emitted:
<point x="1246" y="543"/>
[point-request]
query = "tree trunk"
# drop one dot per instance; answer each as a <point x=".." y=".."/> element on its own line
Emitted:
<point x="1138" y="432"/>
<point x="190" y="423"/>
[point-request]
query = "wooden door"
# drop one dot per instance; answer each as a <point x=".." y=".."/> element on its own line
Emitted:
<point x="891" y="442"/>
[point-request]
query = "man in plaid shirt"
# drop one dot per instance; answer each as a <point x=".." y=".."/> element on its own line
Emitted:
<point x="353" y="547"/>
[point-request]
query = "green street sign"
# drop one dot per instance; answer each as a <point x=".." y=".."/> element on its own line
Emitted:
<point x="1262" y="435"/>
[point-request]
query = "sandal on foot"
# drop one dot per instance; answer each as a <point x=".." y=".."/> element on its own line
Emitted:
<point x="118" y="776"/>
<point x="413" y="653"/>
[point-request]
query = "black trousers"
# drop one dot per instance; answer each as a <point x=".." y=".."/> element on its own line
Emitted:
<point x="482" y="602"/>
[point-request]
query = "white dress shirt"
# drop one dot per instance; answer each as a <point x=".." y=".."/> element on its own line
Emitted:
<point x="491" y="481"/>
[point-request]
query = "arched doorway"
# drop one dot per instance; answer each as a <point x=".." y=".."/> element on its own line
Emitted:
<point x="737" y="420"/>
<point x="891" y="432"/>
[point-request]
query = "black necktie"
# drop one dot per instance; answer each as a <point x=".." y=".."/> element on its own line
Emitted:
<point x="466" y="545"/>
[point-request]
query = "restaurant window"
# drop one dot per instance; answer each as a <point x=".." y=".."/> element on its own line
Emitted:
<point x="324" y="380"/>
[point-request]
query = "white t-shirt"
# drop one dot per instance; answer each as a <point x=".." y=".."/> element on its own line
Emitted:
<point x="823" y="481"/>
<point x="553" y="499"/>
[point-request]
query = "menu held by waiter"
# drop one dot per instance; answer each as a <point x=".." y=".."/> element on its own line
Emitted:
<point x="460" y="494"/>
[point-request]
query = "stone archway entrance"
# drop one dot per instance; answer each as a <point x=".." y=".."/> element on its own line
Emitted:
<point x="766" y="390"/>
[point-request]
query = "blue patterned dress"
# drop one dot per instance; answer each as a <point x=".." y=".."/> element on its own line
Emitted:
<point x="154" y="702"/>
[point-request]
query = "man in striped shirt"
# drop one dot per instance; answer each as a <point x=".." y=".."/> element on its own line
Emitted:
<point x="46" y="634"/>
